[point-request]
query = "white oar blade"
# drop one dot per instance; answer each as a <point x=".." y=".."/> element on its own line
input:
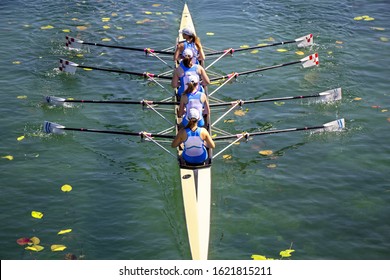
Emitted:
<point x="50" y="127"/>
<point x="73" y="43"/>
<point x="337" y="125"/>
<point x="68" y="66"/>
<point x="56" y="101"/>
<point x="331" y="95"/>
<point x="310" y="61"/>
<point x="305" y="41"/>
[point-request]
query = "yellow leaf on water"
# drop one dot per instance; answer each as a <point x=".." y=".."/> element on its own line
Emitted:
<point x="121" y="37"/>
<point x="358" y="18"/>
<point x="106" y="27"/>
<point x="227" y="156"/>
<point x="114" y="14"/>
<point x="244" y="46"/>
<point x="156" y="5"/>
<point x="119" y="28"/>
<point x="75" y="19"/>
<point x="369" y="19"/>
<point x="105" y="19"/>
<point x="36" y="214"/>
<point x="34" y="240"/>
<point x="35" y="248"/>
<point x="339" y="42"/>
<point x="66" y="30"/>
<point x="20" y="138"/>
<point x="228" y="121"/>
<point x="270" y="39"/>
<point x="255" y="51"/>
<point x="66" y="188"/>
<point x="357" y="98"/>
<point x="106" y="39"/>
<point x="148" y="13"/>
<point x="79" y="55"/>
<point x="64" y="231"/>
<point x="286" y="253"/>
<point x="47" y="27"/>
<point x="9" y="157"/>
<point x="384" y="110"/>
<point x="262" y="44"/>
<point x="378" y="28"/>
<point x="81" y="27"/>
<point x="384" y="39"/>
<point x="279" y="103"/>
<point x="214" y="135"/>
<point x="57" y="247"/>
<point x="210" y="33"/>
<point x="258" y="257"/>
<point x="266" y="152"/>
<point x="87" y="69"/>
<point x="299" y="52"/>
<point x="272" y="165"/>
<point x="22" y="97"/>
<point x="239" y="113"/>
<point x="16" y="62"/>
<point x="281" y="50"/>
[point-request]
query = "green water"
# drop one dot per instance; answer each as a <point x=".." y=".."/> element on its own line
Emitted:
<point x="327" y="194"/>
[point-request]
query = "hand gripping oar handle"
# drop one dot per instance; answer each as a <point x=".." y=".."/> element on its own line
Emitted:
<point x="336" y="125"/>
<point x="50" y="127"/>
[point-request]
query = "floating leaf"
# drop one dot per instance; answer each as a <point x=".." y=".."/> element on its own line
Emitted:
<point x="357" y="98"/>
<point x="8" y="157"/>
<point x="87" y="69"/>
<point x="63" y="231"/>
<point x="35" y="248"/>
<point x="279" y="103"/>
<point x="272" y="165"/>
<point x="75" y="19"/>
<point x="210" y="33"/>
<point x="36" y="214"/>
<point x="239" y="113"/>
<point x="47" y="27"/>
<point x="105" y="19"/>
<point x="17" y="62"/>
<point x="214" y="135"/>
<point x="57" y="247"/>
<point x="156" y="5"/>
<point x="66" y="30"/>
<point x="299" y="52"/>
<point x="286" y="253"/>
<point x="358" y="18"/>
<point x="270" y="39"/>
<point x="384" y="110"/>
<point x="119" y="28"/>
<point x="114" y="14"/>
<point x="369" y="19"/>
<point x="20" y="138"/>
<point x="145" y="20"/>
<point x="262" y="44"/>
<point x="148" y="13"/>
<point x="266" y="152"/>
<point x="66" y="188"/>
<point x="384" y="39"/>
<point x="227" y="156"/>
<point x="21" y="97"/>
<point x="281" y="50"/>
<point x="106" y="27"/>
<point x="23" y="241"/>
<point x="255" y="51"/>
<point x="81" y="27"/>
<point x="35" y="240"/>
<point x="79" y="55"/>
<point x="106" y="39"/>
<point x="258" y="257"/>
<point x="244" y="46"/>
<point x="121" y="37"/>
<point x="228" y="121"/>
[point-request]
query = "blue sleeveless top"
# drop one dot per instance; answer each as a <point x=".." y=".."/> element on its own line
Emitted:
<point x="194" y="101"/>
<point x="192" y="46"/>
<point x="194" y="150"/>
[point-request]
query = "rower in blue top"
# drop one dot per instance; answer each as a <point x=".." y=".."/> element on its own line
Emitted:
<point x="192" y="98"/>
<point x="192" y="42"/>
<point x="195" y="140"/>
<point x="186" y="69"/>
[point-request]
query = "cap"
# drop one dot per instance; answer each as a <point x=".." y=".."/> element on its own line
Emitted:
<point x="187" y="52"/>
<point x="187" y="31"/>
<point x="193" y="79"/>
<point x="193" y="114"/>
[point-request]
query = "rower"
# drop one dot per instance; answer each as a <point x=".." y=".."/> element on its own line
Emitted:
<point x="195" y="140"/>
<point x="191" y="41"/>
<point x="185" y="69"/>
<point x="193" y="97"/>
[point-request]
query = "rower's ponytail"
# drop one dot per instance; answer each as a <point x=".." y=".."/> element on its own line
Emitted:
<point x="190" y="88"/>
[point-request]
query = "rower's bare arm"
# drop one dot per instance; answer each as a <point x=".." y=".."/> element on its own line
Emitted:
<point x="207" y="138"/>
<point x="180" y="138"/>
<point x="182" y="105"/>
<point x="175" y="79"/>
<point x="178" y="51"/>
<point x="205" y="77"/>
<point x="206" y="110"/>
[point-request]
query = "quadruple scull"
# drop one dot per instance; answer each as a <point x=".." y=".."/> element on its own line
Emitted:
<point x="195" y="180"/>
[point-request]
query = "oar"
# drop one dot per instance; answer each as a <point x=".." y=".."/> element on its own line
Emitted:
<point x="336" y="125"/>
<point x="70" y="67"/>
<point x="59" y="101"/>
<point x="308" y="61"/>
<point x="51" y="127"/>
<point x="326" y="96"/>
<point x="73" y="43"/>
<point x="304" y="41"/>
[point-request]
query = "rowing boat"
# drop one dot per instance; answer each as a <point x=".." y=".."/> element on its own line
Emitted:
<point x="195" y="184"/>
<point x="195" y="180"/>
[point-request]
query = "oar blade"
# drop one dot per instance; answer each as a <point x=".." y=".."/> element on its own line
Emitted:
<point x="51" y="127"/>
<point x="305" y="41"/>
<point x="310" y="61"/>
<point x="68" y="66"/>
<point x="55" y="101"/>
<point x="73" y="43"/>
<point x="331" y="95"/>
<point x="336" y="125"/>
